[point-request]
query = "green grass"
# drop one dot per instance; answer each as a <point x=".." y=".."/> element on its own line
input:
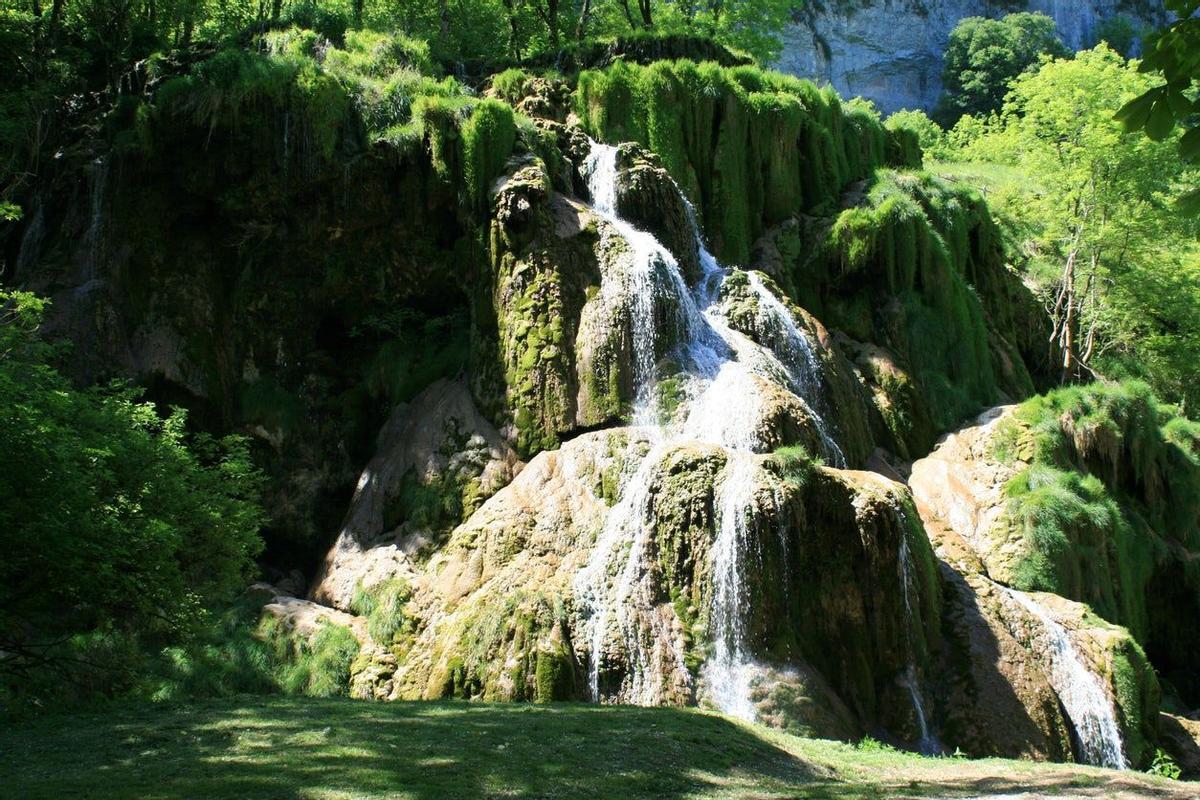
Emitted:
<point x="307" y="748"/>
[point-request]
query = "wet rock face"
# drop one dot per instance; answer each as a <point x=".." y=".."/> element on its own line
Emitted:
<point x="891" y="52"/>
<point x="499" y="613"/>
<point x="1077" y="686"/>
<point x="648" y="198"/>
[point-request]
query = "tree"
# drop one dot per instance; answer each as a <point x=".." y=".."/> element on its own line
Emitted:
<point x="1173" y="54"/>
<point x="118" y="527"/>
<point x="1120" y="271"/>
<point x="984" y="55"/>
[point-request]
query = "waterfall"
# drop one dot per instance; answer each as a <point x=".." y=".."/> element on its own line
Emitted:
<point x="729" y="669"/>
<point x="804" y="371"/>
<point x="1087" y="704"/>
<point x="723" y="369"/>
<point x="928" y="743"/>
<point x="93" y="239"/>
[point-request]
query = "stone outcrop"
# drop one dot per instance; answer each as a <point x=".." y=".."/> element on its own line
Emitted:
<point x="891" y="52"/>
<point x="1001" y="639"/>
<point x="437" y="459"/>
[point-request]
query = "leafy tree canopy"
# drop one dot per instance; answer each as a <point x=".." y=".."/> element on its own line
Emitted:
<point x="984" y="55"/>
<point x="1173" y="54"/>
<point x="1120" y="270"/>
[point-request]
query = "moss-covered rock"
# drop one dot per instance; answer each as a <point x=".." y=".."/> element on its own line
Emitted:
<point x="1064" y="494"/>
<point x="915" y="266"/>
<point x="750" y="148"/>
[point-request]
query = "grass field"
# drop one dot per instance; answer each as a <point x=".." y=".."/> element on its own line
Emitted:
<point x="301" y="748"/>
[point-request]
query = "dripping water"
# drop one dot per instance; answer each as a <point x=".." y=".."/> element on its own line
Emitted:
<point x="1087" y="704"/>
<point x="928" y="743"/>
<point x="724" y="367"/>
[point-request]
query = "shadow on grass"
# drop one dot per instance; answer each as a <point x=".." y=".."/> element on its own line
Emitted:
<point x="292" y="748"/>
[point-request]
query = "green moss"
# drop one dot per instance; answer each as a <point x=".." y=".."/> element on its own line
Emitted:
<point x="383" y="606"/>
<point x="1137" y="696"/>
<point x="316" y="667"/>
<point x="919" y="262"/>
<point x="265" y="402"/>
<point x="554" y="675"/>
<point x="795" y="464"/>
<point x="511" y="650"/>
<point x="749" y="147"/>
<point x="511" y="85"/>
<point x="1109" y="510"/>
<point x="488" y="136"/>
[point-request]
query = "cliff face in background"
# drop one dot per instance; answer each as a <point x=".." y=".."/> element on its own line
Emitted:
<point x="890" y="51"/>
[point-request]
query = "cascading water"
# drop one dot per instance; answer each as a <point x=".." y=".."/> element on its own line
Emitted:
<point x="799" y="359"/>
<point x="730" y="669"/>
<point x="1084" y="699"/>
<point x="723" y="367"/>
<point x="928" y="743"/>
<point x="94" y="238"/>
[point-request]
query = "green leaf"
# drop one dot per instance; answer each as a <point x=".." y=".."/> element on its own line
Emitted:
<point x="1161" y="121"/>
<point x="1181" y="106"/>
<point x="1189" y="145"/>
<point x="1189" y="203"/>
<point x="1134" y="114"/>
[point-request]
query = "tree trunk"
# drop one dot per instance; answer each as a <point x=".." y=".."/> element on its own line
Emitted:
<point x="581" y="28"/>
<point x="552" y="21"/>
<point x="358" y="13"/>
<point x="644" y="5"/>
<point x="513" y="29"/>
<point x="628" y="14"/>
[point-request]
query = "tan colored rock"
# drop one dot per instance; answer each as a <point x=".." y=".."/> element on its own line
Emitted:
<point x="305" y="618"/>
<point x="439" y="434"/>
<point x="959" y="489"/>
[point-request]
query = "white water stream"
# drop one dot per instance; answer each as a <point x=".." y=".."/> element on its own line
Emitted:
<point x="725" y="372"/>
<point x="928" y="743"/>
<point x="1087" y="704"/>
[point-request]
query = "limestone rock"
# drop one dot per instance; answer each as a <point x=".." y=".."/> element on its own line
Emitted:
<point x="649" y="198"/>
<point x="305" y="618"/>
<point x="961" y="484"/>
<point x="891" y="52"/>
<point x="438" y="444"/>
<point x="1180" y="737"/>
<point x="998" y="700"/>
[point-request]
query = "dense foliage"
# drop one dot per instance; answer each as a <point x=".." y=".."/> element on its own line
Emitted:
<point x="1173" y="53"/>
<point x="120" y="529"/>
<point x="65" y="60"/>
<point x="1090" y="210"/>
<point x="984" y="55"/>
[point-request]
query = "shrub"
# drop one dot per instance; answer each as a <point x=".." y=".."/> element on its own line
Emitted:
<point x="117" y="524"/>
<point x="317" y="666"/>
<point x="1164" y="766"/>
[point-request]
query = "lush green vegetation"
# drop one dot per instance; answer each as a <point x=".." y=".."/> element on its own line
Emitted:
<point x="1111" y="496"/>
<point x="781" y="146"/>
<point x="97" y="51"/>
<point x="985" y="55"/>
<point x="340" y="749"/>
<point x="120" y="529"/>
<point x="1089" y="212"/>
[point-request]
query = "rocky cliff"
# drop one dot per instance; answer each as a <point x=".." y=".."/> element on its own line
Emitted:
<point x="890" y="51"/>
<point x="606" y="389"/>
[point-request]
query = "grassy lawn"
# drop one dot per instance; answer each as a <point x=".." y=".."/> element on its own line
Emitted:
<point x="302" y="748"/>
